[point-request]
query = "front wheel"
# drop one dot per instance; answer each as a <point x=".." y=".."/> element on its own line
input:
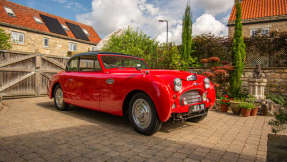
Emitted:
<point x="59" y="98"/>
<point x="142" y="114"/>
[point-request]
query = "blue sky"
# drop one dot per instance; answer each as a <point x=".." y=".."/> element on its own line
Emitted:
<point x="106" y="16"/>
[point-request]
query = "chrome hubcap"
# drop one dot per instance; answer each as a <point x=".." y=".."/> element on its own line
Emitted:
<point x="59" y="97"/>
<point x="141" y="112"/>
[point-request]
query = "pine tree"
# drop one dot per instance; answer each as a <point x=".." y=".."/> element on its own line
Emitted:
<point x="238" y="54"/>
<point x="186" y="34"/>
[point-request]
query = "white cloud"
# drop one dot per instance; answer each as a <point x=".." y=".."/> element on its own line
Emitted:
<point x="215" y="7"/>
<point x="207" y="24"/>
<point x="109" y="15"/>
<point x="71" y="4"/>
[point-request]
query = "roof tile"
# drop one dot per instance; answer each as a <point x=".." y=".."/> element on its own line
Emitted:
<point x="253" y="9"/>
<point x="24" y="18"/>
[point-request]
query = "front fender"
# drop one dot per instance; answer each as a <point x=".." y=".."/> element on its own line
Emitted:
<point x="159" y="92"/>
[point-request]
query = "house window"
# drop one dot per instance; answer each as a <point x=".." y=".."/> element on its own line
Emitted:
<point x="259" y="32"/>
<point x="86" y="32"/>
<point x="265" y="31"/>
<point x="46" y="42"/>
<point x="17" y="37"/>
<point x="72" y="46"/>
<point x="38" y="20"/>
<point x="93" y="48"/>
<point x="9" y="11"/>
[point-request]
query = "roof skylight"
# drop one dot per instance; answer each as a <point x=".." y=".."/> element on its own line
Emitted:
<point x="38" y="20"/>
<point x="86" y="32"/>
<point x="65" y="27"/>
<point x="9" y="11"/>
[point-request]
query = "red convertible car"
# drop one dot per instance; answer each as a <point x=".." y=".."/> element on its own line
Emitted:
<point x="124" y="85"/>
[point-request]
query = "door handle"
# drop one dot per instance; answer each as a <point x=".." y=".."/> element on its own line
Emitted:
<point x="110" y="81"/>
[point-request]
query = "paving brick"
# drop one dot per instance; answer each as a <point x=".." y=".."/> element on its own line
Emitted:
<point x="35" y="131"/>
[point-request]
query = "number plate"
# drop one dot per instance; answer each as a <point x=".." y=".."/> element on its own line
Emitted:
<point x="197" y="108"/>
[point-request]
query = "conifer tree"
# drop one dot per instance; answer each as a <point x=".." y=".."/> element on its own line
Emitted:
<point x="186" y="34"/>
<point x="238" y="54"/>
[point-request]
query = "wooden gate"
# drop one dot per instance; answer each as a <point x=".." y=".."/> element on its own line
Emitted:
<point x="27" y="74"/>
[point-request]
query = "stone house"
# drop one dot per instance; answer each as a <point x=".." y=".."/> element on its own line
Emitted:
<point x="260" y="17"/>
<point x="40" y="32"/>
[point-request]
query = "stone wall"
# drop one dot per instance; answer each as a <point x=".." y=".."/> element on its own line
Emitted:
<point x="276" y="79"/>
<point x="33" y="42"/>
<point x="273" y="26"/>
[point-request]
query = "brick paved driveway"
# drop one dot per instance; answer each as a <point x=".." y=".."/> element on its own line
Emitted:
<point x="32" y="130"/>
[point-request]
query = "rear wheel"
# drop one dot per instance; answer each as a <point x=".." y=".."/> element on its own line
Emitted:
<point x="142" y="114"/>
<point x="59" y="98"/>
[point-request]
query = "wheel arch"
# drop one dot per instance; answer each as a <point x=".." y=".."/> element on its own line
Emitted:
<point x="159" y="96"/>
<point x="127" y="99"/>
<point x="53" y="88"/>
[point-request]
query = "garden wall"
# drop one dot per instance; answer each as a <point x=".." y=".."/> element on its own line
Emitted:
<point x="276" y="77"/>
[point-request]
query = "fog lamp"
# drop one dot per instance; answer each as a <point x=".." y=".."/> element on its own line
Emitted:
<point x="204" y="97"/>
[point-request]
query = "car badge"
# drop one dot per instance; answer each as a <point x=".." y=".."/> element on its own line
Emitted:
<point x="195" y="84"/>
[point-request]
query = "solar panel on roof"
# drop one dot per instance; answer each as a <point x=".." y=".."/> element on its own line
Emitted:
<point x="53" y="25"/>
<point x="77" y="31"/>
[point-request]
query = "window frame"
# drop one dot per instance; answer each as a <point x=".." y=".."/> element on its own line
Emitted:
<point x="17" y="34"/>
<point x="65" y="27"/>
<point x="44" y="45"/>
<point x="86" y="32"/>
<point x="74" y="46"/>
<point x="94" y="60"/>
<point x="259" y="31"/>
<point x="9" y="11"/>
<point x="93" y="47"/>
<point x="68" y="64"/>
<point x="38" y="20"/>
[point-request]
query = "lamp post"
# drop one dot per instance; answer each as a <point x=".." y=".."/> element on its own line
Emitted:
<point x="164" y="20"/>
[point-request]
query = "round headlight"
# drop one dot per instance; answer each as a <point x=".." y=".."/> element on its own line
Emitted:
<point x="206" y="83"/>
<point x="177" y="84"/>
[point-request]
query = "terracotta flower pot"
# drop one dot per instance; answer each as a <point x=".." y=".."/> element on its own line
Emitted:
<point x="235" y="108"/>
<point x="224" y="107"/>
<point x="245" y="112"/>
<point x="254" y="111"/>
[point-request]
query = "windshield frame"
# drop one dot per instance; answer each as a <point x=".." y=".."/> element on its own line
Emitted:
<point x="126" y="56"/>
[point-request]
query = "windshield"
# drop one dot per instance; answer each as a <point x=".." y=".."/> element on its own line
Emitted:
<point x="122" y="62"/>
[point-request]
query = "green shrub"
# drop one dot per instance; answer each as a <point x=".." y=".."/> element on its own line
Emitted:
<point x="246" y="105"/>
<point x="4" y="40"/>
<point x="278" y="99"/>
<point x="280" y="122"/>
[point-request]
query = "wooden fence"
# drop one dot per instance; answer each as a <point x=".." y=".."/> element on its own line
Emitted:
<point x="27" y="74"/>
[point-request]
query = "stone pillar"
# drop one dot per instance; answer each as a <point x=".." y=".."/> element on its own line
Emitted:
<point x="257" y="88"/>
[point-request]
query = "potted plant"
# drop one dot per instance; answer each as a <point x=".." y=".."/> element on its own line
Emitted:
<point x="225" y="102"/>
<point x="235" y="106"/>
<point x="254" y="111"/>
<point x="246" y="108"/>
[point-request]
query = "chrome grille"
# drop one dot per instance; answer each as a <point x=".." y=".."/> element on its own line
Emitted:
<point x="190" y="97"/>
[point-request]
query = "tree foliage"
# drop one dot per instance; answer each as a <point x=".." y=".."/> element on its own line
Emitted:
<point x="238" y="54"/>
<point x="136" y="43"/>
<point x="4" y="40"/>
<point x="186" y="36"/>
